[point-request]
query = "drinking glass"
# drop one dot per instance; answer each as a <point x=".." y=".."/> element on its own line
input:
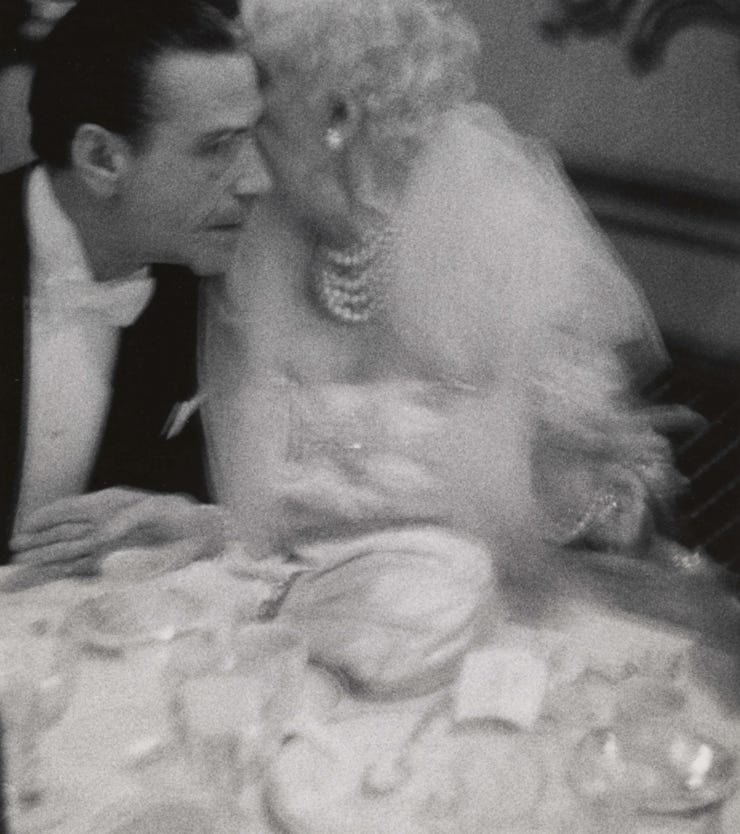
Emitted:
<point x="650" y="770"/>
<point x="234" y="696"/>
<point x="37" y="681"/>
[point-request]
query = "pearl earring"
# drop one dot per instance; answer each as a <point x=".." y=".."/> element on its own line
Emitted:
<point x="333" y="139"/>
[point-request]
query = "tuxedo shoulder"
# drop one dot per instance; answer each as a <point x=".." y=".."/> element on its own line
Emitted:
<point x="12" y="187"/>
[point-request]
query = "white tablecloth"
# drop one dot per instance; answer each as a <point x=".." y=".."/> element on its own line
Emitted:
<point x="111" y="748"/>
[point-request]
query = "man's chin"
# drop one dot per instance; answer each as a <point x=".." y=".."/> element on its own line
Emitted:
<point x="213" y="263"/>
<point x="210" y="269"/>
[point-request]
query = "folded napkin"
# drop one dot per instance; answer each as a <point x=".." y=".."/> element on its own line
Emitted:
<point x="393" y="611"/>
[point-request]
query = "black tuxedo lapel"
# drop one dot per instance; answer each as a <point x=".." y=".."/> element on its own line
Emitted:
<point x="14" y="264"/>
<point x="156" y="370"/>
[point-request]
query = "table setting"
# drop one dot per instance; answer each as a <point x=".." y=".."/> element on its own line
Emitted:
<point x="195" y="701"/>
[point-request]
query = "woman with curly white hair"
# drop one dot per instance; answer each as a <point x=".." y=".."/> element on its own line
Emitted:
<point x="433" y="326"/>
<point x="423" y="330"/>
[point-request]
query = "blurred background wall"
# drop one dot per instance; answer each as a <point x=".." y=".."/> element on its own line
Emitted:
<point x="23" y="24"/>
<point x="657" y="155"/>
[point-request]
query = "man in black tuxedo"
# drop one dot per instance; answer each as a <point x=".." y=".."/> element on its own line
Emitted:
<point x="142" y="120"/>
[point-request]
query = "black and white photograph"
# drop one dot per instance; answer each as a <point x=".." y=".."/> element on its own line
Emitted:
<point x="372" y="462"/>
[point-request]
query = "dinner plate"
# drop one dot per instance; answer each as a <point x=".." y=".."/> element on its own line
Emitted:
<point x="373" y="774"/>
<point x="132" y="616"/>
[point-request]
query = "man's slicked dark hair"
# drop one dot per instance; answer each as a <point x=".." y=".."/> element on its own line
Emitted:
<point x="95" y="65"/>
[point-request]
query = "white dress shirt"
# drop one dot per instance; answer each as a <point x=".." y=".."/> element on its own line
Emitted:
<point x="74" y="324"/>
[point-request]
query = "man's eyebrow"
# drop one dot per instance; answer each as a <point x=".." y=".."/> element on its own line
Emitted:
<point x="225" y="133"/>
<point x="222" y="132"/>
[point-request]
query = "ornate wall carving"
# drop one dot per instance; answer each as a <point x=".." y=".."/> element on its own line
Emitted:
<point x="647" y="28"/>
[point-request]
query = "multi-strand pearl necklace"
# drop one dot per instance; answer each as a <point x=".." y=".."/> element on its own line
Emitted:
<point x="350" y="283"/>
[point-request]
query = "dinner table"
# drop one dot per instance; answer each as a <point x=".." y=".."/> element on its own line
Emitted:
<point x="176" y="701"/>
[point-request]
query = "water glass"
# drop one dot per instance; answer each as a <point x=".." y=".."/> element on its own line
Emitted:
<point x="650" y="772"/>
<point x="37" y="681"/>
<point x="234" y="700"/>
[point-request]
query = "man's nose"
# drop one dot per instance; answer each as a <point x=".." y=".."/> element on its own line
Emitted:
<point x="251" y="174"/>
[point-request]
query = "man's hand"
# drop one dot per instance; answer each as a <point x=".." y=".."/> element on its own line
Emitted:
<point x="83" y="529"/>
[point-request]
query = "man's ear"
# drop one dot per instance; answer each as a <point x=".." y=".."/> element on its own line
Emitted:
<point x="101" y="157"/>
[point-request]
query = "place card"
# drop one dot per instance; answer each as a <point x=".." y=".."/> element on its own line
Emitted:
<point x="505" y="684"/>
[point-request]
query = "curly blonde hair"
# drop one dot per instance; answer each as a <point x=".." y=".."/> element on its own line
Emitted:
<point x="403" y="61"/>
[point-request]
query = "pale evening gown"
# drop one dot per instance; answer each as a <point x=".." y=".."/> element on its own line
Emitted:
<point x="494" y="393"/>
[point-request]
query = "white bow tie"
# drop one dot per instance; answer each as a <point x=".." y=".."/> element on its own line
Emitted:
<point x="118" y="303"/>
